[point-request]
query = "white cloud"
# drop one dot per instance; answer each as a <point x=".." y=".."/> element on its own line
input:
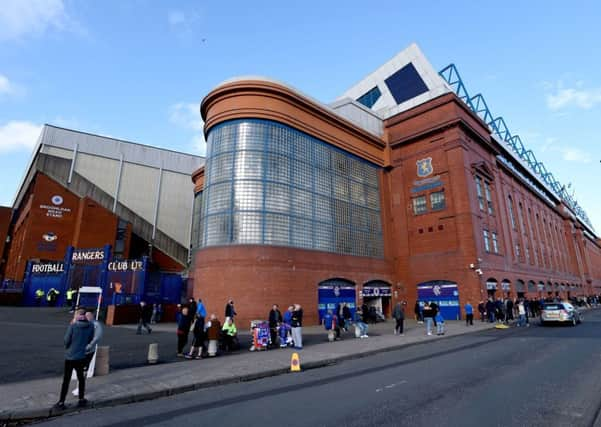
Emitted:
<point x="19" y="18"/>
<point x="19" y="135"/>
<point x="186" y="115"/>
<point x="6" y="87"/>
<point x="560" y="97"/>
<point x="568" y="153"/>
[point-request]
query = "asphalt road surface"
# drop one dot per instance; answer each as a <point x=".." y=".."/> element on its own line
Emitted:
<point x="537" y="376"/>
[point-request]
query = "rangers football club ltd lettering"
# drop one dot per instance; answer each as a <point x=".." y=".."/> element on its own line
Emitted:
<point x="88" y="255"/>
<point x="125" y="265"/>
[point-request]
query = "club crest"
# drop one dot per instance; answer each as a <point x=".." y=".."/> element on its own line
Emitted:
<point x="424" y="167"/>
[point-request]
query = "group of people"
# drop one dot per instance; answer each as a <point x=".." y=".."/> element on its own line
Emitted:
<point x="287" y="329"/>
<point x="342" y="320"/>
<point x="428" y="312"/>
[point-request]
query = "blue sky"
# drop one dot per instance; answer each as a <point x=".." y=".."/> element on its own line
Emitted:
<point x="138" y="69"/>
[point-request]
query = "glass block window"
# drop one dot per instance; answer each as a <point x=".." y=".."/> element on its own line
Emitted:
<point x="437" y="201"/>
<point x="486" y="241"/>
<point x="270" y="184"/>
<point x="196" y="221"/>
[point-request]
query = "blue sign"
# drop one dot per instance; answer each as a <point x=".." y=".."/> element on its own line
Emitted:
<point x="444" y="293"/>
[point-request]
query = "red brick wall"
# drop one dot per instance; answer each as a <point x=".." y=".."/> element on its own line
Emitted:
<point x="5" y="216"/>
<point x="81" y="223"/>
<point x="256" y="277"/>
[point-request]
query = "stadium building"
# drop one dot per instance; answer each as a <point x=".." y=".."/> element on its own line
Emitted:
<point x="86" y="201"/>
<point x="406" y="187"/>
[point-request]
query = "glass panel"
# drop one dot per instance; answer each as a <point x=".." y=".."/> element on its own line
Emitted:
<point x="270" y="184"/>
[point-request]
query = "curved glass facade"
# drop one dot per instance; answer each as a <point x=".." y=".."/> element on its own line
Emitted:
<point x="267" y="183"/>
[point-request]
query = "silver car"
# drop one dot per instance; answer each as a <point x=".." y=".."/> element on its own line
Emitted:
<point x="560" y="312"/>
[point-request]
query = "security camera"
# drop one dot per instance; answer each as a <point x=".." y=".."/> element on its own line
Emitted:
<point x="479" y="272"/>
<point x="472" y="266"/>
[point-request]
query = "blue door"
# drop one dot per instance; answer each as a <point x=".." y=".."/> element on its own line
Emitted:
<point x="333" y="292"/>
<point x="444" y="293"/>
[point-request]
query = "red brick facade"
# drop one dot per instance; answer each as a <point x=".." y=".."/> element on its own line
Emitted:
<point x="444" y="244"/>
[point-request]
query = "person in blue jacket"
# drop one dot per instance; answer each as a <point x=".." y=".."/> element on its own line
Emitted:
<point x="439" y="323"/>
<point x="469" y="314"/>
<point x="330" y="323"/>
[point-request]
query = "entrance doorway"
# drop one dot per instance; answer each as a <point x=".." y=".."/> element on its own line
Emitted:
<point x="332" y="292"/>
<point x="378" y="294"/>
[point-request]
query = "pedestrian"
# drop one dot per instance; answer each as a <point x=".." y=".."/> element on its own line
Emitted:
<point x="144" y="313"/>
<point x="428" y="314"/>
<point x="481" y="310"/>
<point x="153" y="318"/>
<point x="348" y="317"/>
<point x="469" y="314"/>
<point x="296" y="323"/>
<point x="399" y="316"/>
<point x="39" y="295"/>
<point x="331" y="326"/>
<point x="439" y="323"/>
<point x="521" y="314"/>
<point x="417" y="310"/>
<point x="183" y="329"/>
<point x="213" y="332"/>
<point x="79" y="334"/>
<point x="509" y="309"/>
<point x="159" y="312"/>
<point x="275" y="319"/>
<point x="434" y="308"/>
<point x="198" y="333"/>
<point x="52" y="297"/>
<point x="91" y="347"/>
<point x="178" y="313"/>
<point x="74" y="300"/>
<point x="69" y="297"/>
<point x="201" y="311"/>
<point x="340" y="315"/>
<point x="365" y="311"/>
<point x="192" y="308"/>
<point x="229" y="333"/>
<point x="360" y="323"/>
<point x="490" y="310"/>
<point x="229" y="309"/>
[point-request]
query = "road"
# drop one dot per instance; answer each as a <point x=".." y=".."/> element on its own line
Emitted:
<point x="537" y="376"/>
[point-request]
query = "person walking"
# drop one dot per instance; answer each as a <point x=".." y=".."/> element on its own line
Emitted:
<point x="296" y="323"/>
<point x="91" y="347"/>
<point x="481" y="310"/>
<point x="79" y="334"/>
<point x="439" y="323"/>
<point x="348" y="317"/>
<point x="340" y="315"/>
<point x="428" y="314"/>
<point x="192" y="308"/>
<point x="52" y="297"/>
<point x="490" y="310"/>
<point x="399" y="316"/>
<point x="469" y="314"/>
<point x="144" y="313"/>
<point x="360" y="323"/>
<point x="275" y="320"/>
<point x="198" y="333"/>
<point x="521" y="314"/>
<point x="229" y="309"/>
<point x="183" y="329"/>
<point x="213" y="332"/>
<point x="69" y="297"/>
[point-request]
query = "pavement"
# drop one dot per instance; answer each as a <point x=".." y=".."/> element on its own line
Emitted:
<point x="33" y="399"/>
<point x="536" y="376"/>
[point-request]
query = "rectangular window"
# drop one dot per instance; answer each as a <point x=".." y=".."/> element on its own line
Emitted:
<point x="419" y="205"/>
<point x="495" y="243"/>
<point x="486" y="242"/>
<point x="518" y="253"/>
<point x="488" y="198"/>
<point x="437" y="201"/>
<point x="511" y="213"/>
<point x="479" y="192"/>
